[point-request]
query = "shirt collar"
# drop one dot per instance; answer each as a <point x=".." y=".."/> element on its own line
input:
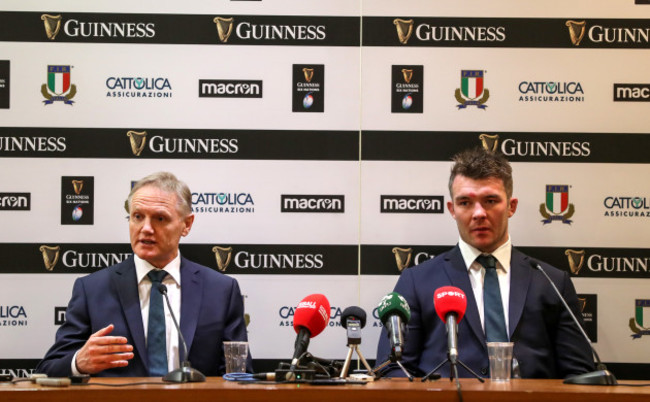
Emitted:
<point x="173" y="269"/>
<point x="502" y="254"/>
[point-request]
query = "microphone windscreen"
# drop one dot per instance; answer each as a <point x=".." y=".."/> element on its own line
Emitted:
<point x="394" y="303"/>
<point x="353" y="312"/>
<point x="312" y="313"/>
<point x="449" y="299"/>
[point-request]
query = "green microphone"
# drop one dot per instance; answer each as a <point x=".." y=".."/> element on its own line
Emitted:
<point x="394" y="313"/>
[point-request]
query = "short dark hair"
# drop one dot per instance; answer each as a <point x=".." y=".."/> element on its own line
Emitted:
<point x="166" y="182"/>
<point x="477" y="163"/>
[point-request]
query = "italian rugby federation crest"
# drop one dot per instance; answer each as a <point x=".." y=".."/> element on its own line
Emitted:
<point x="557" y="206"/>
<point x="641" y="318"/>
<point x="59" y="87"/>
<point x="472" y="91"/>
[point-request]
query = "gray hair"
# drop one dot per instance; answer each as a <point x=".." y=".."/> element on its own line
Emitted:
<point x="168" y="183"/>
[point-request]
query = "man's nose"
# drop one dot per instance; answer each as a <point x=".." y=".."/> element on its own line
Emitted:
<point x="479" y="211"/>
<point x="146" y="225"/>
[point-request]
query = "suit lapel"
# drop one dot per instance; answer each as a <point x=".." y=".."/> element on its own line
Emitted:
<point x="191" y="296"/>
<point x="520" y="274"/>
<point x="457" y="272"/>
<point x="126" y="283"/>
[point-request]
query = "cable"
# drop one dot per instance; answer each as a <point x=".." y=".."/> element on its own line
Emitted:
<point x="239" y="377"/>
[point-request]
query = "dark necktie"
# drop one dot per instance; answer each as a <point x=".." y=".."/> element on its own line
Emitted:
<point x="156" y="334"/>
<point x="495" y="323"/>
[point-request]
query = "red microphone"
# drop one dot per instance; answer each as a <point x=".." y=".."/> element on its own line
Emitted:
<point x="450" y="304"/>
<point x="450" y="299"/>
<point x="309" y="319"/>
<point x="312" y="313"/>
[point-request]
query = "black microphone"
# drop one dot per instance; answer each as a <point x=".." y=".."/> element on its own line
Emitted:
<point x="185" y="373"/>
<point x="601" y="376"/>
<point x="353" y="319"/>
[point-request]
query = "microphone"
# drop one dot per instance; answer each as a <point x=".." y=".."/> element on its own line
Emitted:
<point x="601" y="376"/>
<point x="184" y="373"/>
<point x="450" y="304"/>
<point x="394" y="313"/>
<point x="310" y="319"/>
<point x="353" y="319"/>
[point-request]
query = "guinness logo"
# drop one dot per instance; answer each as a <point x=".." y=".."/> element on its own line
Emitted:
<point x="404" y="29"/>
<point x="50" y="256"/>
<point x="408" y="74"/>
<point x="309" y="73"/>
<point x="576" y="31"/>
<point x="490" y="143"/>
<point x="402" y="257"/>
<point x="77" y="185"/>
<point x="138" y="140"/>
<point x="52" y="25"/>
<point x="224" y="27"/>
<point x="223" y="255"/>
<point x="576" y="260"/>
<point x="582" y="303"/>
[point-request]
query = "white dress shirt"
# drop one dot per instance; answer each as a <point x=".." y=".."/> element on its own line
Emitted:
<point x="476" y="274"/>
<point x="173" y="283"/>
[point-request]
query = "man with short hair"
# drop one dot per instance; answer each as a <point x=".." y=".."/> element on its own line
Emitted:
<point x="110" y="329"/>
<point x="507" y="299"/>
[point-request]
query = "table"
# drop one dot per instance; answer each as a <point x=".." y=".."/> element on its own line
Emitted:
<point x="393" y="390"/>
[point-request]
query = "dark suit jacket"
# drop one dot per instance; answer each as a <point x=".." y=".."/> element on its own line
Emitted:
<point x="212" y="311"/>
<point x="547" y="343"/>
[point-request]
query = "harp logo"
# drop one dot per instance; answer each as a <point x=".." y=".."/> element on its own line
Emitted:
<point x="577" y="31"/>
<point x="576" y="259"/>
<point x="223" y="255"/>
<point x="224" y="28"/>
<point x="404" y="29"/>
<point x="50" y="256"/>
<point x="489" y="142"/>
<point x="52" y="25"/>
<point x="137" y="139"/>
<point x="402" y="257"/>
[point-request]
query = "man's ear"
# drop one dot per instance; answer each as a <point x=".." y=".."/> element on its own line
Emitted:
<point x="189" y="221"/>
<point x="512" y="206"/>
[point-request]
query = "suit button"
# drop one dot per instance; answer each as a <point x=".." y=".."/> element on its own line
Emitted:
<point x="484" y="371"/>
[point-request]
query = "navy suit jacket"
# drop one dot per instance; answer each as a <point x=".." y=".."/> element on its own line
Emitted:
<point x="212" y="311"/>
<point x="547" y="343"/>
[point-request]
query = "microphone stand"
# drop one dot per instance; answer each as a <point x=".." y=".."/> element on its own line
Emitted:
<point x="393" y="360"/>
<point x="395" y="357"/>
<point x="601" y="376"/>
<point x="185" y="373"/>
<point x="452" y="354"/>
<point x="354" y="340"/>
<point x="348" y="359"/>
<point x="453" y="372"/>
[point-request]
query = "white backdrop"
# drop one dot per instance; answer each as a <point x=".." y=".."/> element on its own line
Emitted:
<point x="357" y="86"/>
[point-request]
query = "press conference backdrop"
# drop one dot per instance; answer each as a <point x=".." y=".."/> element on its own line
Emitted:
<point x="316" y="138"/>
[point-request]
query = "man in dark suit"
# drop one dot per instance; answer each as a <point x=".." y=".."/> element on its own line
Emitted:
<point x="517" y="303"/>
<point x="107" y="327"/>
